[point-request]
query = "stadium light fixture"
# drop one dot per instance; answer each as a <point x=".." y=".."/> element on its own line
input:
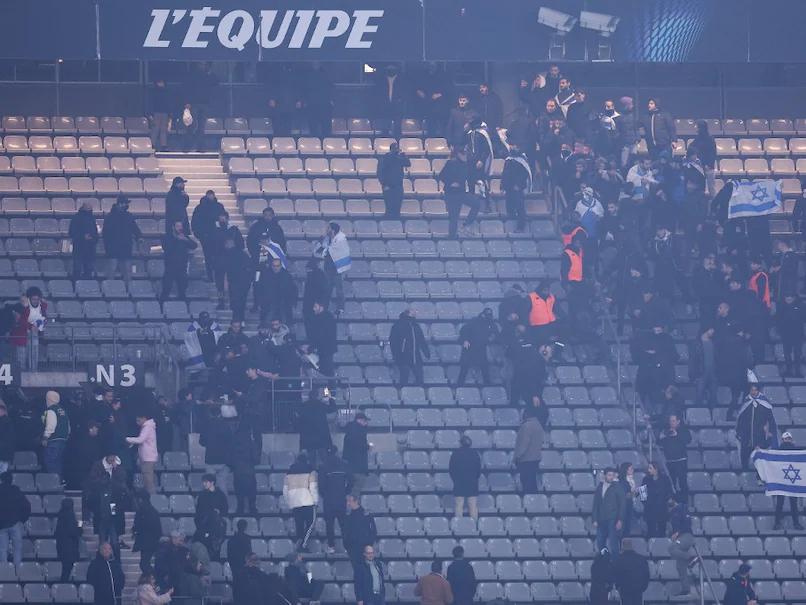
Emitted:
<point x="603" y="26"/>
<point x="560" y="22"/>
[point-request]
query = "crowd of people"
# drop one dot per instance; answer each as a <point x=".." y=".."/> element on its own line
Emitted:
<point x="646" y="237"/>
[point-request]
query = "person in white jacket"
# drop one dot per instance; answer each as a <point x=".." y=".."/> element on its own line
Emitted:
<point x="147" y="453"/>
<point x="147" y="592"/>
<point x="301" y="494"/>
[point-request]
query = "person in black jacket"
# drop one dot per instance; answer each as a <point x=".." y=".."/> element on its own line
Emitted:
<point x="107" y="494"/>
<point x="119" y="233"/>
<point x="631" y="574"/>
<point x="7" y="438"/>
<point x="739" y="589"/>
<point x="706" y="150"/>
<point x="409" y="346"/>
<point x="147" y="531"/>
<point x="68" y="535"/>
<point x="601" y="578"/>
<point x="296" y="579"/>
<point x="267" y="227"/>
<point x="390" y="174"/>
<point x="454" y="177"/>
<point x="323" y="337"/>
<point x="475" y="336"/>
<point x="516" y="181"/>
<point x="314" y="431"/>
<point x="674" y="442"/>
<point x="105" y="576"/>
<point x="359" y="529"/>
<point x="790" y="316"/>
<point x="317" y="289"/>
<point x="210" y="500"/>
<point x="658" y="128"/>
<point x="334" y="485"/>
<point x="462" y="578"/>
<point x="370" y="588"/>
<point x="356" y="451"/>
<point x="244" y="454"/>
<point x="276" y="293"/>
<point x="177" y="246"/>
<point x="464" y="468"/>
<point x="222" y="233"/>
<point x="655" y="492"/>
<point x="238" y="547"/>
<point x="160" y="108"/>
<point x="239" y="273"/>
<point x="176" y="206"/>
<point x="215" y="437"/>
<point x="83" y="234"/>
<point x="608" y="511"/>
<point x="203" y="222"/>
<point x="251" y="584"/>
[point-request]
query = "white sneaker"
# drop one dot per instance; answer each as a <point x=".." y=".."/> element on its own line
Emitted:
<point x="330" y="550"/>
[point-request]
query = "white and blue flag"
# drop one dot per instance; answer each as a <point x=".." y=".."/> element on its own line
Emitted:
<point x="755" y="198"/>
<point x="273" y="250"/>
<point x="782" y="471"/>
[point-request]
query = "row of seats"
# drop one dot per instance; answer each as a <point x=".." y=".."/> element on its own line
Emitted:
<point x="337" y="166"/>
<point x="739" y="127"/>
<point x="49" y="165"/>
<point x="67" y="206"/>
<point x="331" y="146"/>
<point x="69" y="145"/>
<point x="773" y="146"/>
<point x="760" y="168"/>
<point x="69" y="125"/>
<point x="82" y="185"/>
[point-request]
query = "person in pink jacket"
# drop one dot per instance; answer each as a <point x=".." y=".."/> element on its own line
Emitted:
<point x="147" y="453"/>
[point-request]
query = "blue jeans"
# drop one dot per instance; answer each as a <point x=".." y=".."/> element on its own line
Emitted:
<point x="607" y="535"/>
<point x="11" y="534"/>
<point x="54" y="452"/>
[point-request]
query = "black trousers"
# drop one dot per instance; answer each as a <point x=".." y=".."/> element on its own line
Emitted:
<point x="407" y="369"/>
<point x="516" y="207"/>
<point x="465" y="366"/>
<point x="145" y="560"/>
<point x="678" y="473"/>
<point x="237" y="300"/>
<point x="455" y="202"/>
<point x="178" y="276"/>
<point x="326" y="365"/>
<point x="209" y="260"/>
<point x="393" y="199"/>
<point x="631" y="598"/>
<point x="528" y="472"/>
<point x="779" y="509"/>
<point x="330" y="525"/>
<point x="303" y="522"/>
<point x="83" y="265"/>
<point x="67" y="570"/>
<point x="793" y="351"/>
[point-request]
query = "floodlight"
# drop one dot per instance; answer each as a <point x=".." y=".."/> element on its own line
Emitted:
<point x="560" y="22"/>
<point x="599" y="22"/>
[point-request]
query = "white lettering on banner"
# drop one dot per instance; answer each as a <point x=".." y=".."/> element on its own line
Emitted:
<point x="242" y="35"/>
<point x="159" y="16"/>
<point x="105" y="374"/>
<point x="198" y="27"/>
<point x="361" y="27"/>
<point x="304" y="19"/>
<point x="329" y="24"/>
<point x="6" y="377"/>
<point x="236" y="28"/>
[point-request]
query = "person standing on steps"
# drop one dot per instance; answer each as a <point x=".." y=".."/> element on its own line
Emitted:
<point x="529" y="450"/>
<point x="147" y="453"/>
<point x="409" y="347"/>
<point x="178" y="247"/>
<point x="454" y="177"/>
<point x="83" y="234"/>
<point x="335" y="250"/>
<point x="462" y="578"/>
<point x="68" y="535"/>
<point x="390" y="173"/>
<point x="176" y="205"/>
<point x="516" y="181"/>
<point x="203" y="222"/>
<point x="356" y="451"/>
<point x="120" y="232"/>
<point x="609" y="503"/>
<point x="464" y="468"/>
<point x="105" y="575"/>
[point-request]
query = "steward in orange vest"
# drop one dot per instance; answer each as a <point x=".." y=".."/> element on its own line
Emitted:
<point x="571" y="267"/>
<point x="542" y="311"/>
<point x="759" y="283"/>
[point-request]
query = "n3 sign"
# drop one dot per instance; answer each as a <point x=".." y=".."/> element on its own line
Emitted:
<point x="122" y="375"/>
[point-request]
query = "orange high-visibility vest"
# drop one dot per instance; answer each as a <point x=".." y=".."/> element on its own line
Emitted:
<point x="569" y="237"/>
<point x="542" y="312"/>
<point x="575" y="272"/>
<point x="753" y="285"/>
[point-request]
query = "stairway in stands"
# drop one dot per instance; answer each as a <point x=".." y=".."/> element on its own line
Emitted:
<point x="203" y="171"/>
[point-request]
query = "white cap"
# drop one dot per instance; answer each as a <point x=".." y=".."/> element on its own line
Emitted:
<point x="786" y="436"/>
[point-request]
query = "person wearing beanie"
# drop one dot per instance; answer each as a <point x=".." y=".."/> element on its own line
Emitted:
<point x="56" y="431"/>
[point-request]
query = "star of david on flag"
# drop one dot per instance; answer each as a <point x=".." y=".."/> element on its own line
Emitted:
<point x="782" y="471"/>
<point x="755" y="198"/>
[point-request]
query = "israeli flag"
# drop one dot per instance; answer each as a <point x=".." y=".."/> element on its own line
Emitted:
<point x="274" y="250"/>
<point x="782" y="471"/>
<point x="755" y="198"/>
